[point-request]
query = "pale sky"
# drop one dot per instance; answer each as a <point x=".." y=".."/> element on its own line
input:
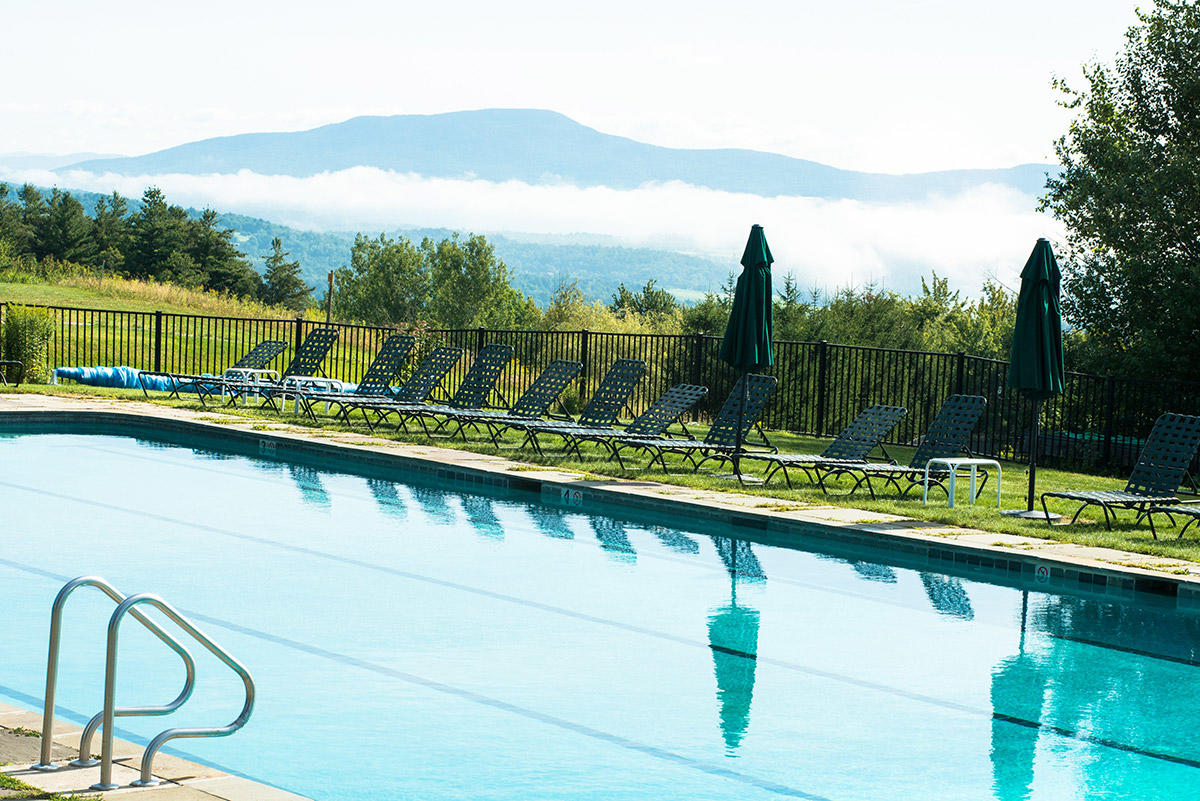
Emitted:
<point x="875" y="84"/>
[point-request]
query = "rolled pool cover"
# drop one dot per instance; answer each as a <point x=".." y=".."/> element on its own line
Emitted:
<point x="126" y="378"/>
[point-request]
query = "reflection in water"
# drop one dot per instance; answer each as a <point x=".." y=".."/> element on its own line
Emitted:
<point x="433" y="503"/>
<point x="676" y="541"/>
<point x="550" y="521"/>
<point x="1018" y="689"/>
<point x="613" y="539"/>
<point x="733" y="639"/>
<point x="739" y="560"/>
<point x="872" y="571"/>
<point x="482" y="514"/>
<point x="308" y="481"/>
<point x="948" y="596"/>
<point x="388" y="498"/>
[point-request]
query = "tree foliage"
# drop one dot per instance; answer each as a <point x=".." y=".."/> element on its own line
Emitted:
<point x="1129" y="195"/>
<point x="282" y="284"/>
<point x="451" y="283"/>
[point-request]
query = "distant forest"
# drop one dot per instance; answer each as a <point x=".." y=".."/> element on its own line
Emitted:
<point x="536" y="268"/>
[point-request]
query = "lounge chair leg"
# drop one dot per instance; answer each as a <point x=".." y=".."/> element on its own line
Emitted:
<point x="1046" y="511"/>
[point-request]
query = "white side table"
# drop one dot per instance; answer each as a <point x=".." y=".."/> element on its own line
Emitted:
<point x="953" y="466"/>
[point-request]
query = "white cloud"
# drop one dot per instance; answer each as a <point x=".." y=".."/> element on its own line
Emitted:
<point x="984" y="232"/>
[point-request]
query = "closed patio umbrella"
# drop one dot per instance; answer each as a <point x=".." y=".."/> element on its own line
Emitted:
<point x="1035" y="367"/>
<point x="747" y="343"/>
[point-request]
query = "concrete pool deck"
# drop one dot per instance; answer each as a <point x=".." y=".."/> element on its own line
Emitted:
<point x="181" y="780"/>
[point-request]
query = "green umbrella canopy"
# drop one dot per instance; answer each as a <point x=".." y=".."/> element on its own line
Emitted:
<point x="1036" y="361"/>
<point x="747" y="343"/>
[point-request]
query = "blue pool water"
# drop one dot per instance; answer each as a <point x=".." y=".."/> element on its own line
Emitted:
<point x="420" y="642"/>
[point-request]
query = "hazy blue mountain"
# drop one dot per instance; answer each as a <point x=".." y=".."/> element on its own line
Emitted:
<point x="538" y="147"/>
<point x="538" y="268"/>
<point x="46" y="161"/>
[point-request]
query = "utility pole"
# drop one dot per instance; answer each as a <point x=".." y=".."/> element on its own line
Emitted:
<point x="329" y="300"/>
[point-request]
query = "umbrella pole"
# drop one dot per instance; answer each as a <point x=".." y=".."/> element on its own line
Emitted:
<point x="1033" y="452"/>
<point x="737" y="437"/>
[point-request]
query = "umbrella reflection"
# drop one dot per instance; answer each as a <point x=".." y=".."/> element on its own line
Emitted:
<point x="308" y="481"/>
<point x="733" y="640"/>
<point x="613" y="539"/>
<point x="388" y="498"/>
<point x="948" y="596"/>
<point x="1018" y="695"/>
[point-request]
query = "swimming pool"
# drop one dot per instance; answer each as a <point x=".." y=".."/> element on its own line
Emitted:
<point x="420" y="641"/>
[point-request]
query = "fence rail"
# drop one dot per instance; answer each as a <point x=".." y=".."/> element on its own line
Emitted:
<point x="1097" y="423"/>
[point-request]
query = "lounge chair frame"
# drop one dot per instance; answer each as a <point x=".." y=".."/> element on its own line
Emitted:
<point x="852" y="445"/>
<point x="948" y="436"/>
<point x="720" y="443"/>
<point x="1154" y="483"/>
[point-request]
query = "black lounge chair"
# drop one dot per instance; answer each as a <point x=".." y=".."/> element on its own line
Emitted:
<point x="376" y="381"/>
<point x="946" y="438"/>
<point x="472" y="394"/>
<point x="18" y="366"/>
<point x="1155" y="480"/>
<point x="305" y="364"/>
<point x="533" y="404"/>
<point x="721" y="442"/>
<point x="650" y="424"/>
<point x="1191" y="510"/>
<point x="601" y="411"/>
<point x="253" y="364"/>
<point x="426" y="378"/>
<point x="853" y="445"/>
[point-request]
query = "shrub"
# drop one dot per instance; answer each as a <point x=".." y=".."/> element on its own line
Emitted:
<point x="27" y="332"/>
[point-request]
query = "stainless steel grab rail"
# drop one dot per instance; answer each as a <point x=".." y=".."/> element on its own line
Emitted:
<point x="60" y="601"/>
<point x="110" y="678"/>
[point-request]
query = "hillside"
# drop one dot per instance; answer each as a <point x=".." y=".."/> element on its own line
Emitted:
<point x="538" y="147"/>
<point x="537" y="268"/>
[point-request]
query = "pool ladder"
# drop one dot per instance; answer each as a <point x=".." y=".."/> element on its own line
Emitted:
<point x="127" y="605"/>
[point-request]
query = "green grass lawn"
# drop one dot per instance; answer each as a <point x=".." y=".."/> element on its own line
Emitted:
<point x="1089" y="530"/>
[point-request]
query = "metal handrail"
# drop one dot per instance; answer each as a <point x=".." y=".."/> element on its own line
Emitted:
<point x="110" y="677"/>
<point x="60" y="601"/>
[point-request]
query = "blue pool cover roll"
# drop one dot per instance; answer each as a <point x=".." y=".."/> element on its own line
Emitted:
<point x="126" y="378"/>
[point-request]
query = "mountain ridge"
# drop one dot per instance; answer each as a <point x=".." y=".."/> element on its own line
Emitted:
<point x="538" y="146"/>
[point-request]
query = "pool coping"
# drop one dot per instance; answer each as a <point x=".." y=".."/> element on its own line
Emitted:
<point x="182" y="779"/>
<point x="1050" y="566"/>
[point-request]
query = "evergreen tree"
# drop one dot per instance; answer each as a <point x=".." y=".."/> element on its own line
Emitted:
<point x="30" y="221"/>
<point x="156" y="233"/>
<point x="217" y="260"/>
<point x="650" y="301"/>
<point x="111" y="231"/>
<point x="282" y="284"/>
<point x="66" y="232"/>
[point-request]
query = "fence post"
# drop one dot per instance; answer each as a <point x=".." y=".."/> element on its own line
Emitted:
<point x="298" y="333"/>
<point x="960" y="378"/>
<point x="583" y="356"/>
<point x="480" y="334"/>
<point x="158" y="342"/>
<point x="697" y="368"/>
<point x="1110" y="390"/>
<point x="822" y="385"/>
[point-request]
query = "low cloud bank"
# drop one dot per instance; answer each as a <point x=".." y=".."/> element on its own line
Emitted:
<point x="982" y="233"/>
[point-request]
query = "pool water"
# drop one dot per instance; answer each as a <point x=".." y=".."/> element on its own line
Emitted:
<point x="412" y="641"/>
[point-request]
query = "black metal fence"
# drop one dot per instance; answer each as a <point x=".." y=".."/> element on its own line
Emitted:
<point x="1098" y="423"/>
